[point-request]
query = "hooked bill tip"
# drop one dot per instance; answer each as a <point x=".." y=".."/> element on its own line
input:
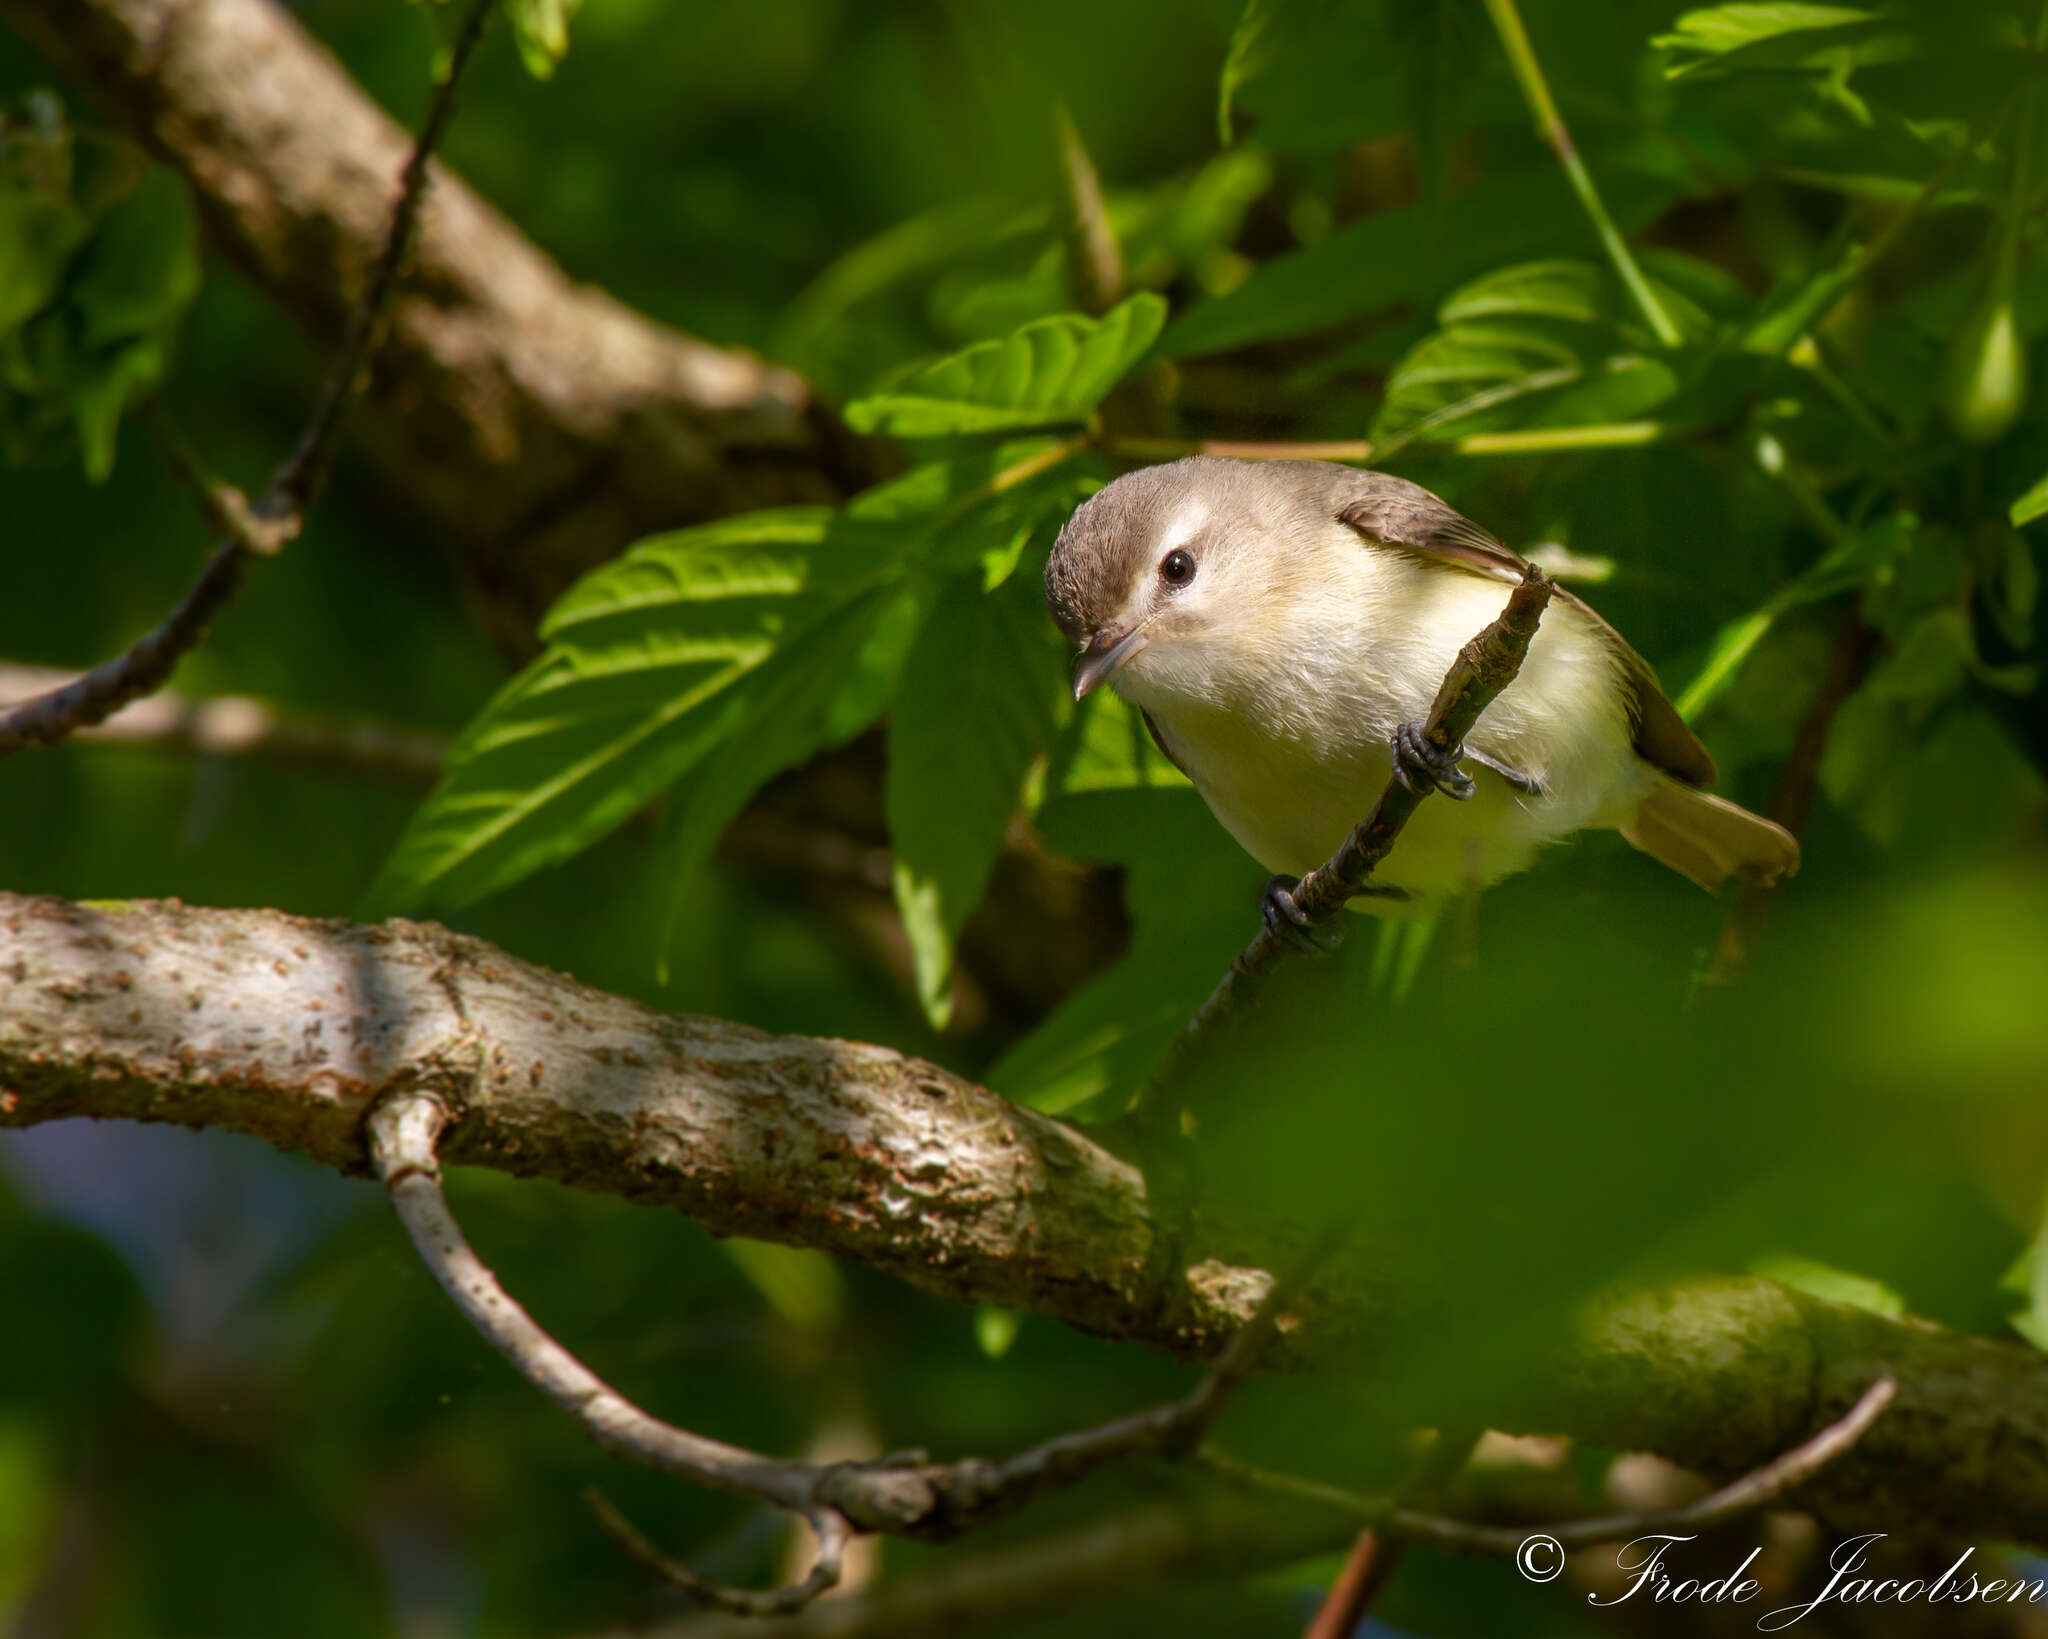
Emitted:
<point x="1106" y="651"/>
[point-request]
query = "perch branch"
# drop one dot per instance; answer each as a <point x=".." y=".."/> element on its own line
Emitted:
<point x="259" y="529"/>
<point x="289" y="1029"/>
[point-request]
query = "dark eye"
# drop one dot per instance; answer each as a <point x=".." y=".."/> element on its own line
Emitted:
<point x="1177" y="568"/>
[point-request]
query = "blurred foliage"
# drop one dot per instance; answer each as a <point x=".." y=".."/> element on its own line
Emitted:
<point x="1835" y="208"/>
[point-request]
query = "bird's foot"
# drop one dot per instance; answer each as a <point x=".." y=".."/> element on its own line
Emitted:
<point x="1423" y="767"/>
<point x="1419" y="765"/>
<point x="1289" y="921"/>
<point x="1527" y="784"/>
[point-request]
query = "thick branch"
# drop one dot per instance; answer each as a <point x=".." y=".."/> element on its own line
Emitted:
<point x="536" y="424"/>
<point x="288" y="1029"/>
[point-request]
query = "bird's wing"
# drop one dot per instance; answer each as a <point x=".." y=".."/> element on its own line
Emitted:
<point x="1397" y="513"/>
<point x="1159" y="740"/>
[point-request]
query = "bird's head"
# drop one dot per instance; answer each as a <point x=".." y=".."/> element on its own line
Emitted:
<point x="1175" y="578"/>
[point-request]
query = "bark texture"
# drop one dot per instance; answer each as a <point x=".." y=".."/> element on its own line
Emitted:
<point x="538" y="424"/>
<point x="289" y="1029"/>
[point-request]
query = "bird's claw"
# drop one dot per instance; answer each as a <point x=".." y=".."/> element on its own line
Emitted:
<point x="1287" y="920"/>
<point x="1422" y="766"/>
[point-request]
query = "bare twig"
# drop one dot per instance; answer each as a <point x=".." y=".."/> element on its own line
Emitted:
<point x="1757" y="1489"/>
<point x="833" y="1535"/>
<point x="236" y="725"/>
<point x="1367" y="1570"/>
<point x="905" y="1495"/>
<point x="259" y="529"/>
<point x="1484" y="667"/>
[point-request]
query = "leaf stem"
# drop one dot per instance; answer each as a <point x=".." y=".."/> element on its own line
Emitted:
<point x="1550" y="126"/>
<point x="1612" y="435"/>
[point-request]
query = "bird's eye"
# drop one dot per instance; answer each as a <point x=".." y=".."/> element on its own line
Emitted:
<point x="1177" y="568"/>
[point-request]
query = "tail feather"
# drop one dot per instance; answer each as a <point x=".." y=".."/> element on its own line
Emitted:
<point x="1709" y="839"/>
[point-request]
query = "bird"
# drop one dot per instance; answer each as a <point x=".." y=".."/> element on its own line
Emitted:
<point x="1283" y="627"/>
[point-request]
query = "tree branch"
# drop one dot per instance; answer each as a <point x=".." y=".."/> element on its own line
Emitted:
<point x="257" y="531"/>
<point x="907" y="1495"/>
<point x="289" y="1029"/>
<point x="533" y="424"/>
<point x="237" y="725"/>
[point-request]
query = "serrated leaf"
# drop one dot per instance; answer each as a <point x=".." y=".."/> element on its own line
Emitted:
<point x="640" y="680"/>
<point x="817" y="692"/>
<point x="1699" y="37"/>
<point x="976" y="711"/>
<point x="1046" y="373"/>
<point x="1540" y="344"/>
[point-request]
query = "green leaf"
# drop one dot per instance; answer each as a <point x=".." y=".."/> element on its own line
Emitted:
<point x="996" y="1329"/>
<point x="1048" y="372"/>
<point x="1541" y="344"/>
<point x="38" y="235"/>
<point x="141" y="270"/>
<point x="815" y="693"/>
<point x="98" y="401"/>
<point x="540" y="28"/>
<point x="1699" y="37"/>
<point x="1243" y="59"/>
<point x="1410" y="254"/>
<point x="1105" y="747"/>
<point x="1834" y="1285"/>
<point x="976" y="711"/>
<point x="803" y="1286"/>
<point x="1851" y="562"/>
<point x="638" y="682"/>
<point x="2032" y="504"/>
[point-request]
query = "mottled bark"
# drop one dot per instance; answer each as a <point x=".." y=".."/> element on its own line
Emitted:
<point x="288" y="1029"/>
<point x="536" y="424"/>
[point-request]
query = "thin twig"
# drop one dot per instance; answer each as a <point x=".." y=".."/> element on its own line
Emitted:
<point x="1484" y="667"/>
<point x="237" y="725"/>
<point x="1550" y="126"/>
<point x="1759" y="1488"/>
<point x="258" y="529"/>
<point x="904" y="1494"/>
<point x="833" y="1535"/>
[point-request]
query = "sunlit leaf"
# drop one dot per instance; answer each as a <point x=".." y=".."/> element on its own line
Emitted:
<point x="1049" y="372"/>
<point x="1242" y="59"/>
<point x="540" y="28"/>
<point x="976" y="710"/>
<point x="1699" y="37"/>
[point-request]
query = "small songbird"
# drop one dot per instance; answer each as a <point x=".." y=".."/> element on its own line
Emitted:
<point x="1284" y="626"/>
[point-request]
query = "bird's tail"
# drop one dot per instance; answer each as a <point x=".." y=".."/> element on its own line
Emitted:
<point x="1709" y="839"/>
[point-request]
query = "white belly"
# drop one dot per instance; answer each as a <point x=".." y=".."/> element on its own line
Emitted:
<point x="1290" y="785"/>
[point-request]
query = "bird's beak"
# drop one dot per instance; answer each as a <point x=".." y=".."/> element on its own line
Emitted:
<point x="1105" y="652"/>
